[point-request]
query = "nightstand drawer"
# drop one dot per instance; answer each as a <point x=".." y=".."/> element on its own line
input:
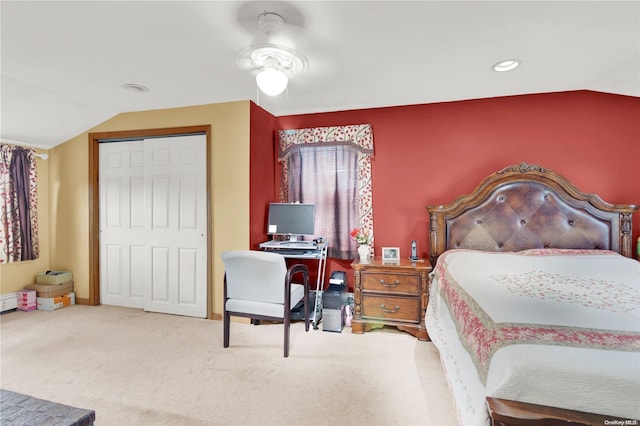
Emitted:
<point x="391" y="308"/>
<point x="391" y="283"/>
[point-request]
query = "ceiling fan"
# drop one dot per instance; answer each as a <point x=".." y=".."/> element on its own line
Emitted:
<point x="272" y="55"/>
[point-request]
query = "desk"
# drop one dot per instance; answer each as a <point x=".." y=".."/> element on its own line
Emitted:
<point x="304" y="250"/>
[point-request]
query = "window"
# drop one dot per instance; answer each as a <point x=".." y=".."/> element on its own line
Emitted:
<point x="331" y="168"/>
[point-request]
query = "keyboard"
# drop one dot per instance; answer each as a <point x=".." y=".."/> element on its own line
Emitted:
<point x="297" y="252"/>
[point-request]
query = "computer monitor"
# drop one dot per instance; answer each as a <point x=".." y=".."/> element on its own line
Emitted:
<point x="291" y="219"/>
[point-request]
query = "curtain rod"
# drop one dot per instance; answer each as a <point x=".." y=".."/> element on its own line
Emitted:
<point x="42" y="156"/>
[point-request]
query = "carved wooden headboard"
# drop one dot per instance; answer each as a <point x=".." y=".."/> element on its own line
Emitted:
<point x="525" y="206"/>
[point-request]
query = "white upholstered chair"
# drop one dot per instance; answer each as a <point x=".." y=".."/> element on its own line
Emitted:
<point x="258" y="285"/>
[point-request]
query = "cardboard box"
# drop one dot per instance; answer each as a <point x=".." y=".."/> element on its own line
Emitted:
<point x="51" y="290"/>
<point x="54" y="277"/>
<point x="26" y="300"/>
<point x="53" y="303"/>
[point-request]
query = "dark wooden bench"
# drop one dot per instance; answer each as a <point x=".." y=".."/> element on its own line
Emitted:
<point x="18" y="409"/>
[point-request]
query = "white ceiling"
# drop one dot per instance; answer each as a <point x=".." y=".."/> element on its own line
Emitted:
<point x="63" y="63"/>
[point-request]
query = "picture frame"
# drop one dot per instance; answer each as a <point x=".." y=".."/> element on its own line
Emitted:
<point x="391" y="254"/>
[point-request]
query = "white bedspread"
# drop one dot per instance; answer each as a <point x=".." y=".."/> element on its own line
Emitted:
<point x="590" y="299"/>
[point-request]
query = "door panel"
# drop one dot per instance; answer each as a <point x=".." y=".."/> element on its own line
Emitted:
<point x="137" y="202"/>
<point x="137" y="267"/>
<point x="177" y="170"/>
<point x="120" y="224"/>
<point x="153" y="224"/>
<point x="188" y="273"/>
<point x="160" y="271"/>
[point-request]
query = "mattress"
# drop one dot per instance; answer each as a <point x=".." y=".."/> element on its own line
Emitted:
<point x="550" y="327"/>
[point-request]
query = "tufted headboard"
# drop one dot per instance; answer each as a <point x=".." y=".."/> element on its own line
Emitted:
<point x="525" y="206"/>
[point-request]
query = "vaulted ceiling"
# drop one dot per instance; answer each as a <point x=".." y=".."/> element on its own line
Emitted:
<point x="64" y="64"/>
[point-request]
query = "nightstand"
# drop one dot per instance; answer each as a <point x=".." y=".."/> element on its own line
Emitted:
<point x="393" y="294"/>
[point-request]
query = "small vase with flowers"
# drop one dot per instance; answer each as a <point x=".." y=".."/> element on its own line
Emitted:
<point x="363" y="238"/>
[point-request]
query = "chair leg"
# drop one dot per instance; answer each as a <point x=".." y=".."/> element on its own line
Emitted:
<point x="287" y="323"/>
<point x="226" y="321"/>
<point x="306" y="312"/>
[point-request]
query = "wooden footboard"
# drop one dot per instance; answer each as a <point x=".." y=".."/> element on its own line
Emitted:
<point x="505" y="412"/>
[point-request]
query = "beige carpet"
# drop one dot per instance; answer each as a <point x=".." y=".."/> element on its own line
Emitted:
<point x="137" y="368"/>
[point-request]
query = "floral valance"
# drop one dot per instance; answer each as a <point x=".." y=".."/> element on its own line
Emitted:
<point x="358" y="135"/>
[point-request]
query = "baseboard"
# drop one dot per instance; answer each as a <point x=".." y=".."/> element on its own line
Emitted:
<point x="8" y="302"/>
<point x="85" y="301"/>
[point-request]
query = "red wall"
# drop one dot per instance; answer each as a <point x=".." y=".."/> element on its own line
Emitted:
<point x="429" y="154"/>
<point x="262" y="158"/>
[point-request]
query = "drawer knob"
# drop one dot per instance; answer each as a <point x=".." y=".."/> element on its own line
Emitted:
<point x="393" y="284"/>
<point x="390" y="310"/>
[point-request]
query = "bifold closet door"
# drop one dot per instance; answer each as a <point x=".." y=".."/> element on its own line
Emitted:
<point x="153" y="239"/>
<point x="123" y="227"/>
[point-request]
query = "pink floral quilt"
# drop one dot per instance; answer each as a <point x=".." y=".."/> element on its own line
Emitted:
<point x="562" y="292"/>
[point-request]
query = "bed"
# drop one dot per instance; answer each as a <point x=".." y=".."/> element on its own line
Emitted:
<point x="535" y="302"/>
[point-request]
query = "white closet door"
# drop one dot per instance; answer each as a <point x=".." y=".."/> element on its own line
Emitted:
<point x="156" y="257"/>
<point x="122" y="224"/>
<point x="176" y="208"/>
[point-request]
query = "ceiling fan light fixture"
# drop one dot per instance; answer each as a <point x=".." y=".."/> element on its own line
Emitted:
<point x="272" y="80"/>
<point x="270" y="22"/>
<point x="506" y="65"/>
<point x="271" y="58"/>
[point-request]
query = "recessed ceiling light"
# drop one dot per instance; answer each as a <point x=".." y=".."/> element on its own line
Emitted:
<point x="134" y="87"/>
<point x="506" y="65"/>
